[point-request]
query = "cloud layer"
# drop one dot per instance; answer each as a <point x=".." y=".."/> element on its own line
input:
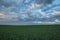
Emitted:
<point x="29" y="11"/>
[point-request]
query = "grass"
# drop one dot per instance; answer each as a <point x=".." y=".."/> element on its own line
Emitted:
<point x="33" y="32"/>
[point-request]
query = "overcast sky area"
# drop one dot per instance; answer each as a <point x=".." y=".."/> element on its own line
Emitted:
<point x="29" y="11"/>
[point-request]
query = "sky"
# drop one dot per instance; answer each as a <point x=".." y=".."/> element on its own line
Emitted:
<point x="29" y="11"/>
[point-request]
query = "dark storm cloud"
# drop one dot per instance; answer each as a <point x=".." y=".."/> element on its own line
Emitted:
<point x="2" y="2"/>
<point x="49" y="1"/>
<point x="6" y="3"/>
<point x="39" y="1"/>
<point x="44" y="1"/>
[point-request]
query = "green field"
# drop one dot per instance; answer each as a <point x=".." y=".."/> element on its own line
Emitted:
<point x="37" y="32"/>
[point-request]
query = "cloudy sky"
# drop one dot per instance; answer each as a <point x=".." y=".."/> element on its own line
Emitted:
<point x="23" y="11"/>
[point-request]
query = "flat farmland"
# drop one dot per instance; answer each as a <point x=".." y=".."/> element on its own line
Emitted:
<point x="30" y="32"/>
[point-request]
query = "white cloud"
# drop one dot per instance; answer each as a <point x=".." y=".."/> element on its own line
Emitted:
<point x="57" y="20"/>
<point x="24" y="16"/>
<point x="49" y="5"/>
<point x="9" y="17"/>
<point x="2" y="15"/>
<point x="57" y="13"/>
<point x="27" y="1"/>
